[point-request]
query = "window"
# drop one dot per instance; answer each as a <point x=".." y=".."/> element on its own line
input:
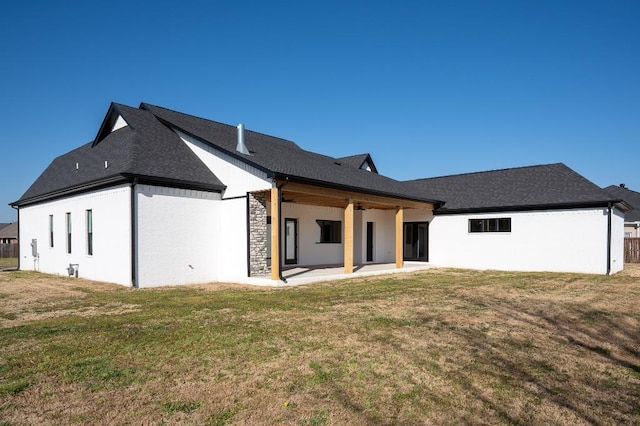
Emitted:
<point x="90" y="232"/>
<point x="68" y="221"/>
<point x="330" y="231"/>
<point x="50" y="230"/>
<point x="490" y="225"/>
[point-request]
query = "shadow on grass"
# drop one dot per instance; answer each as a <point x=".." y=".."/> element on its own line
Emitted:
<point x="590" y="339"/>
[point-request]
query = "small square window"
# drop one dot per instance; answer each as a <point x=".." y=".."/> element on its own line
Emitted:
<point x="330" y="231"/>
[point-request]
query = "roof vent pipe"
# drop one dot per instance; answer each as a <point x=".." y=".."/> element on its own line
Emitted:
<point x="241" y="147"/>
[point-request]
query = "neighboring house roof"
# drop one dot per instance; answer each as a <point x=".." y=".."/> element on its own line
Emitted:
<point x="143" y="149"/>
<point x="284" y="159"/>
<point x="361" y="161"/>
<point x="2" y="225"/>
<point x="630" y="197"/>
<point x="10" y="231"/>
<point x="523" y="188"/>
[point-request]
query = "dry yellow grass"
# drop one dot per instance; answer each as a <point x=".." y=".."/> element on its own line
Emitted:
<point x="437" y="347"/>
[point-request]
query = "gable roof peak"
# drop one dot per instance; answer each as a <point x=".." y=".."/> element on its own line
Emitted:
<point x="360" y="161"/>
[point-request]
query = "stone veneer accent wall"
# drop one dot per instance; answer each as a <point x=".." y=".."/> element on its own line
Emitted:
<point x="258" y="264"/>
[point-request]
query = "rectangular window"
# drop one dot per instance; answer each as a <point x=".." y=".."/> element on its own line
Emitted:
<point x="68" y="222"/>
<point x="50" y="230"/>
<point x="490" y="225"/>
<point x="330" y="231"/>
<point x="89" y="232"/>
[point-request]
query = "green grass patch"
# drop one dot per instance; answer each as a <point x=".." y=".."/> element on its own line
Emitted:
<point x="221" y="418"/>
<point x="173" y="407"/>
<point x="319" y="418"/>
<point x="13" y="387"/>
<point x="98" y="373"/>
<point x="8" y="262"/>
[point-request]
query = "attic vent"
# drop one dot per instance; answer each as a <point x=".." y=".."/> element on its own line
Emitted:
<point x="77" y="165"/>
<point x="241" y="147"/>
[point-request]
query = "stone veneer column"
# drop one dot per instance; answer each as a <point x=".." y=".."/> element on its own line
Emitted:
<point x="258" y="264"/>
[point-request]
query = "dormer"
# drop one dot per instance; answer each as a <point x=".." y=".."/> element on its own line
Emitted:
<point x="112" y="121"/>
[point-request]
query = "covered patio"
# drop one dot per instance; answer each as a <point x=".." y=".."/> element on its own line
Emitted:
<point x="306" y="194"/>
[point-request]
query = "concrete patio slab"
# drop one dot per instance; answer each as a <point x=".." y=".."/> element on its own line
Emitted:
<point x="309" y="274"/>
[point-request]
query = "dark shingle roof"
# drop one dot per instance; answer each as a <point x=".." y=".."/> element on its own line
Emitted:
<point x="9" y="231"/>
<point x="543" y="186"/>
<point x="144" y="149"/>
<point x="358" y="160"/>
<point x="283" y="158"/>
<point x="630" y="197"/>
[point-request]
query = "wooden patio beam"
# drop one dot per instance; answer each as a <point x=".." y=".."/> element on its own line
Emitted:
<point x="275" y="233"/>
<point x="348" y="237"/>
<point x="399" y="237"/>
<point x="356" y="196"/>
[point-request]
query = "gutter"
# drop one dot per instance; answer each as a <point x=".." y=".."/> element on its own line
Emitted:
<point x="112" y="181"/>
<point x="534" y="207"/>
<point x="134" y="234"/>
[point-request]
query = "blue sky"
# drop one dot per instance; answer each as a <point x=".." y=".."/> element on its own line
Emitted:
<point x="428" y="88"/>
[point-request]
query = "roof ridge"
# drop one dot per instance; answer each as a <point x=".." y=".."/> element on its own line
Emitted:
<point x="489" y="171"/>
<point x="213" y="121"/>
<point x="618" y="187"/>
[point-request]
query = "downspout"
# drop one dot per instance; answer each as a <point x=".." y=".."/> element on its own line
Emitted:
<point x="609" y="240"/>
<point x="134" y="234"/>
<point x="18" y="212"/>
<point x="286" y="181"/>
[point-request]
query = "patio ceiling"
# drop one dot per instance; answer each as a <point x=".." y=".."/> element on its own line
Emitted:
<point x="298" y="193"/>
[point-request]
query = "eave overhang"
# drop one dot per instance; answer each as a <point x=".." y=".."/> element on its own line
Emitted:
<point x="113" y="181"/>
<point x="621" y="205"/>
<point x="310" y="192"/>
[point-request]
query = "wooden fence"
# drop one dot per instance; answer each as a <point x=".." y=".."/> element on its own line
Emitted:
<point x="8" y="251"/>
<point x="632" y="250"/>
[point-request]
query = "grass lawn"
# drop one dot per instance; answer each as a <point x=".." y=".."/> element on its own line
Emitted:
<point x="436" y="347"/>
<point x="9" y="262"/>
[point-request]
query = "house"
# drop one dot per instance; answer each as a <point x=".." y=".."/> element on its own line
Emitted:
<point x="160" y="197"/>
<point x="631" y="217"/>
<point x="9" y="233"/>
<point x="517" y="219"/>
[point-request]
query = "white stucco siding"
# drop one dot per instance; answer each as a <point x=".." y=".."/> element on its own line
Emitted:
<point x="310" y="250"/>
<point x="239" y="177"/>
<point x="232" y="239"/>
<point x="384" y="233"/>
<point x="557" y="240"/>
<point x="111" y="258"/>
<point x="178" y="234"/>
